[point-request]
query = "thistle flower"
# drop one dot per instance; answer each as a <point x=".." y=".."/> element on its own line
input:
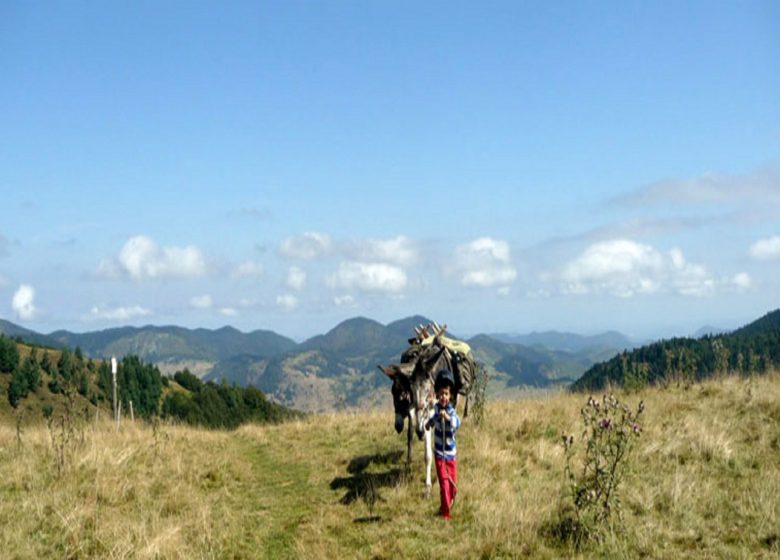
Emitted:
<point x="605" y="424"/>
<point x="637" y="428"/>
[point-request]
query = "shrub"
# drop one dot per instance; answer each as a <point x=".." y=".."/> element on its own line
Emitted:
<point x="479" y="396"/>
<point x="609" y="434"/>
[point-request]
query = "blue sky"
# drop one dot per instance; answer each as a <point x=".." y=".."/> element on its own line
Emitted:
<point x="495" y="166"/>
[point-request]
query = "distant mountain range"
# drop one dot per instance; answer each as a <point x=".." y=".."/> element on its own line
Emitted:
<point x="337" y="368"/>
<point x="568" y="342"/>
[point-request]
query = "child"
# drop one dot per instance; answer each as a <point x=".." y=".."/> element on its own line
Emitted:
<point x="445" y="421"/>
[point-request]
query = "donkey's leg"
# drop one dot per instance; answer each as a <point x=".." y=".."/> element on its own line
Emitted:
<point x="428" y="461"/>
<point x="410" y="437"/>
<point x="409" y="441"/>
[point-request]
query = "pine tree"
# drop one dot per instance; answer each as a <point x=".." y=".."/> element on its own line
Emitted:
<point x="31" y="373"/>
<point x="9" y="355"/>
<point x="65" y="365"/>
<point x="46" y="363"/>
<point x="17" y="390"/>
<point x="83" y="384"/>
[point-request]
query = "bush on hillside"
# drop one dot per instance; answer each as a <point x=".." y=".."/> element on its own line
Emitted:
<point x="219" y="406"/>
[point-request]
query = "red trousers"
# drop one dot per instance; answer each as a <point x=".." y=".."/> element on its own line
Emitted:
<point x="447" y="473"/>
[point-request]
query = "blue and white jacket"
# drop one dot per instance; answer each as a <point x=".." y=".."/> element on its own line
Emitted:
<point x="444" y="432"/>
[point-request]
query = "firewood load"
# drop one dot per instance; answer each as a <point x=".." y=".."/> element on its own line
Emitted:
<point x="426" y="349"/>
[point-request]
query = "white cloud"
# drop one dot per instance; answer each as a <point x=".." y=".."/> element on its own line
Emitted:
<point x="766" y="249"/>
<point x="23" y="302"/>
<point x="296" y="278"/>
<point x="742" y="281"/>
<point x="141" y="258"/>
<point x="625" y="268"/>
<point x="309" y="246"/>
<point x="228" y="311"/>
<point x="344" y="301"/>
<point x="201" y="302"/>
<point x="248" y="269"/>
<point x="400" y="251"/>
<point x="761" y="186"/>
<point x="287" y="302"/>
<point x="118" y="313"/>
<point x="485" y="263"/>
<point x="369" y="277"/>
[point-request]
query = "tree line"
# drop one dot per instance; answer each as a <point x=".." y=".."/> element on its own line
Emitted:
<point x="69" y="373"/>
<point x="753" y="349"/>
<point x="219" y="405"/>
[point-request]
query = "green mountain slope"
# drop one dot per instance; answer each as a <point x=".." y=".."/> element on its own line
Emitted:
<point x="515" y="365"/>
<point x="15" y="331"/>
<point x="38" y="382"/>
<point x="754" y="348"/>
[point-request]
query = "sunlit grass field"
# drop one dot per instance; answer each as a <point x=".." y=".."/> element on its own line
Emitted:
<point x="703" y="482"/>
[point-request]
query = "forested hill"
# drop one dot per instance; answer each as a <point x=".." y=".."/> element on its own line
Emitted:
<point x="38" y="382"/>
<point x="754" y="348"/>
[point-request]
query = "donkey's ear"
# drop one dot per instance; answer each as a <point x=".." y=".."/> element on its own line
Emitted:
<point x="404" y="370"/>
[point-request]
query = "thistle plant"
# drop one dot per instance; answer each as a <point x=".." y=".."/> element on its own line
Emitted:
<point x="609" y="434"/>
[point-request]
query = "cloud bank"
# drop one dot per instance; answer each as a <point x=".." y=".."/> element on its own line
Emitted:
<point x="485" y="263"/>
<point x="369" y="277"/>
<point x="625" y="268"/>
<point x="141" y="258"/>
<point x="122" y="313"/>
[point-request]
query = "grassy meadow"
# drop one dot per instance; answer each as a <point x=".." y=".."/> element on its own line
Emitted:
<point x="703" y="481"/>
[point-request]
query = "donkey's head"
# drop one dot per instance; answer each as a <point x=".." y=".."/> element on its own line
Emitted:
<point x="401" y="390"/>
<point x="423" y="399"/>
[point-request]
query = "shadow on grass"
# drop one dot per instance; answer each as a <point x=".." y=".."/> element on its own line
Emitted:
<point x="365" y="485"/>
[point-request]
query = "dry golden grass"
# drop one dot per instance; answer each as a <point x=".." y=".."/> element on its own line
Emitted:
<point x="703" y="482"/>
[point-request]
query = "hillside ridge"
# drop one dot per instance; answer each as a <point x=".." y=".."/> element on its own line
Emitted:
<point x="753" y="348"/>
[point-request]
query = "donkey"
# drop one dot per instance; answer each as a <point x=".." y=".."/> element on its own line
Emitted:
<point x="414" y="397"/>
